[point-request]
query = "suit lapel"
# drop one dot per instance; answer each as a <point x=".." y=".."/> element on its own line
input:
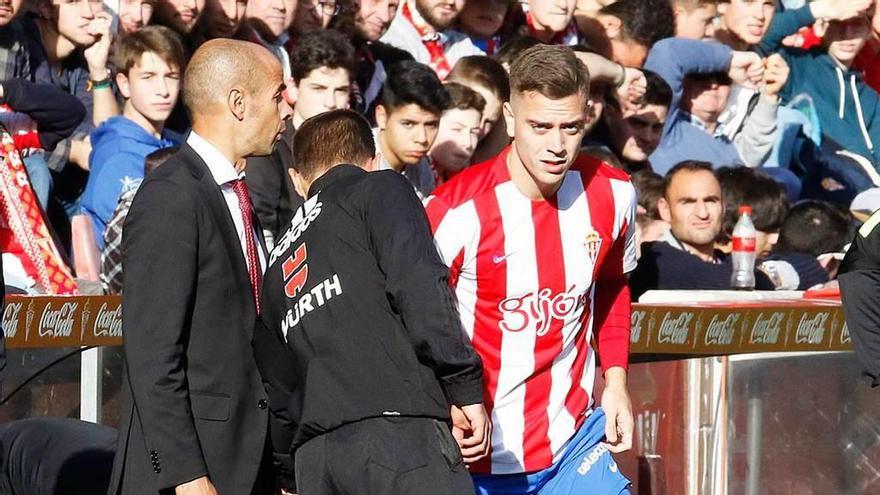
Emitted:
<point x="220" y="211"/>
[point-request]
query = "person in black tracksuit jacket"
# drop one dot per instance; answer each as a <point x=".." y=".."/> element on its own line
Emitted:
<point x="359" y="342"/>
<point x="859" y="277"/>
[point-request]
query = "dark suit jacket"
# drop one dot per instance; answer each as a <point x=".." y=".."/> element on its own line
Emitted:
<point x="193" y="403"/>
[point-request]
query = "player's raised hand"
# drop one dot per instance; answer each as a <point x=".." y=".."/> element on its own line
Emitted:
<point x="618" y="411"/>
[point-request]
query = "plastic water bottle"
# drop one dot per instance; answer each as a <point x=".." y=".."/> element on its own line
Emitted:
<point x="743" y="254"/>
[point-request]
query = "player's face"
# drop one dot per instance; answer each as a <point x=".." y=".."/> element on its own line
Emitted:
<point x="693" y="208"/>
<point x="408" y="132"/>
<point x="749" y="19"/>
<point x="456" y="139"/>
<point x="554" y="15"/>
<point x="546" y="134"/>
<point x="322" y="90"/>
<point x="697" y="23"/>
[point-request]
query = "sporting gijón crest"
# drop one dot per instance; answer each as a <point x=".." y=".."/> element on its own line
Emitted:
<point x="295" y="271"/>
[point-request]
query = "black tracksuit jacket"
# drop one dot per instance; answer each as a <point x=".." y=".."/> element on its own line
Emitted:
<point x="358" y="320"/>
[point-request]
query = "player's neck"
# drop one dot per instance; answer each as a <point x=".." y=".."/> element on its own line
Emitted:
<point x="525" y="182"/>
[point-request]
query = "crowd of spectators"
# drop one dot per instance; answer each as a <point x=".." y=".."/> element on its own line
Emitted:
<point x="708" y="104"/>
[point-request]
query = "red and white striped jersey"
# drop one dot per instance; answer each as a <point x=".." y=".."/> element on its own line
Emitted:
<point x="523" y="272"/>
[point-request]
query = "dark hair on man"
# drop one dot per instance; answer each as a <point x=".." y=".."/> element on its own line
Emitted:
<point x="410" y="82"/>
<point x="747" y="186"/>
<point x="643" y="21"/>
<point x="814" y="227"/>
<point x="649" y="190"/>
<point x="332" y="138"/>
<point x="321" y="48"/>
<point x="482" y="71"/>
<point x="462" y="97"/>
<point x="512" y="48"/>
<point x="158" y="157"/>
<point x="685" y="166"/>
<point x="149" y="39"/>
<point x="551" y="70"/>
<point x="657" y="90"/>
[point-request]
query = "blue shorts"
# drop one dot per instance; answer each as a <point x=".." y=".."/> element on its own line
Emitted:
<point x="586" y="466"/>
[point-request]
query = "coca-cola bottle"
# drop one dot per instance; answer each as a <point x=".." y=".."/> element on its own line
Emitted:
<point x="743" y="253"/>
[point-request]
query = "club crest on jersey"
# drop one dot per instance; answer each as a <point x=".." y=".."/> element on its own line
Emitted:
<point x="593" y="242"/>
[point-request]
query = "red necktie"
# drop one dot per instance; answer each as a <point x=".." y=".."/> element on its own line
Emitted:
<point x="247" y="214"/>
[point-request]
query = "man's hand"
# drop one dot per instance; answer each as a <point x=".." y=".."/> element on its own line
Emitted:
<point x="97" y="54"/>
<point x="618" y="411"/>
<point x="775" y="77"/>
<point x="747" y="69"/>
<point x="472" y="430"/>
<point x="198" y="486"/>
<point x="633" y="89"/>
<point x="839" y="10"/>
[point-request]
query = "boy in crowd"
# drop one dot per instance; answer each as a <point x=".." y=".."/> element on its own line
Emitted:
<point x="488" y="78"/>
<point x="459" y="132"/>
<point x="407" y="120"/>
<point x="323" y="62"/>
<point x="847" y="108"/>
<point x="134" y="14"/>
<point x="70" y="48"/>
<point x="633" y="132"/>
<point x="700" y="75"/>
<point x="695" y="19"/>
<point x="748" y="186"/>
<point x="149" y="64"/>
<point x="421" y="28"/>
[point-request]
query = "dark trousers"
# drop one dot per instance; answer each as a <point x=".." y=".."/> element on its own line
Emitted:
<point x="387" y="456"/>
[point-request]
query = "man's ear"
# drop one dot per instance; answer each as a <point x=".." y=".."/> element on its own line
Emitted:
<point x="612" y="25"/>
<point x="235" y="100"/>
<point x="381" y="117"/>
<point x="663" y="209"/>
<point x="509" y="121"/>
<point x="122" y="84"/>
<point x="373" y="163"/>
<point x="298" y="183"/>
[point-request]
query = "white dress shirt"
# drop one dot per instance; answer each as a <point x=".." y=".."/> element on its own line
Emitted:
<point x="224" y="175"/>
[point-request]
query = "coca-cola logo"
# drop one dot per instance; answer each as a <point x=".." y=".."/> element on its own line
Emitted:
<point x="674" y="330"/>
<point x="720" y="332"/>
<point x="57" y="322"/>
<point x="108" y="322"/>
<point x="811" y="330"/>
<point x="766" y="329"/>
<point x="11" y="319"/>
<point x="538" y="309"/>
<point x="637" y="320"/>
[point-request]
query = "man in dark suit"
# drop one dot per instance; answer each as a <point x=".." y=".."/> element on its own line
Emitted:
<point x="195" y="416"/>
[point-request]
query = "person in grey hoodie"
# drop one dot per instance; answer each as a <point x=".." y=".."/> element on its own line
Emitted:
<point x="847" y="108"/>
